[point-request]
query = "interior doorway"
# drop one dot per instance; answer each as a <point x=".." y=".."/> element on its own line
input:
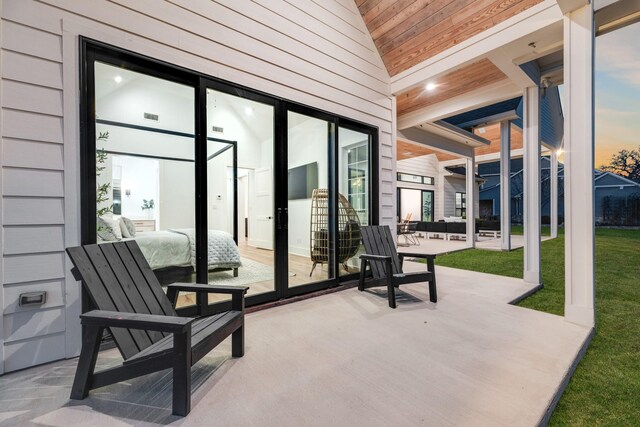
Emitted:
<point x="245" y="185"/>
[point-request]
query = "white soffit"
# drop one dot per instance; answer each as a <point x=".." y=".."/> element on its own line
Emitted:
<point x="443" y="137"/>
<point x="456" y="134"/>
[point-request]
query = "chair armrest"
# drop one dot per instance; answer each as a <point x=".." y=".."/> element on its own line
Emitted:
<point x="414" y="255"/>
<point x="210" y="289"/>
<point x="375" y="257"/>
<point x="147" y="322"/>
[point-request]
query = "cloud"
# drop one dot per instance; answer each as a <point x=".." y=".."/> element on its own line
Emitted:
<point x="618" y="54"/>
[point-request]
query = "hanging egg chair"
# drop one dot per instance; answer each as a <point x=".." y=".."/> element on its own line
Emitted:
<point x="348" y="223"/>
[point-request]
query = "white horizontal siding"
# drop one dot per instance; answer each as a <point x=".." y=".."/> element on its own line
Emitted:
<point x="32" y="211"/>
<point x="31" y="239"/>
<point x="28" y="97"/>
<point x="31" y="69"/>
<point x="451" y="187"/>
<point x="317" y="53"/>
<point x="26" y="324"/>
<point x="30" y="352"/>
<point x="32" y="184"/>
<point x="32" y="267"/>
<point x="2" y="300"/>
<point x="22" y="125"/>
<point x="53" y="288"/>
<point x="33" y="155"/>
<point x="31" y="41"/>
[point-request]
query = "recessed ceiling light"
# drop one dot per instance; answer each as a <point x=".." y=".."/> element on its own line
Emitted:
<point x="248" y="111"/>
<point x="482" y="130"/>
<point x="117" y="79"/>
<point x="430" y="86"/>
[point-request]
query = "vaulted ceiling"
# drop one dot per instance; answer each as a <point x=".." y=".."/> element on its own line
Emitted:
<point x="407" y="32"/>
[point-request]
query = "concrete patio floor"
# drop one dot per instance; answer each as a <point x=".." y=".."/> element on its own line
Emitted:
<point x="344" y="359"/>
<point x="441" y="246"/>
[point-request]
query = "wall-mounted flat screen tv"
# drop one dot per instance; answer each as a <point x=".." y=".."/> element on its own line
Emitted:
<point x="302" y="181"/>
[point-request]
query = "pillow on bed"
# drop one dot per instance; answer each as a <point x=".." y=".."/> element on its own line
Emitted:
<point x="126" y="223"/>
<point x="116" y="229"/>
<point x="105" y="229"/>
<point x="123" y="229"/>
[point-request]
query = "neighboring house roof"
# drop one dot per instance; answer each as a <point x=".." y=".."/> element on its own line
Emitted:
<point x="491" y="174"/>
<point x="611" y="179"/>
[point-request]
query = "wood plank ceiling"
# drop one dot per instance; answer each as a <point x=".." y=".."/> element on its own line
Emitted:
<point x="407" y="150"/>
<point x="492" y="133"/>
<point x="407" y="32"/>
<point x="456" y="83"/>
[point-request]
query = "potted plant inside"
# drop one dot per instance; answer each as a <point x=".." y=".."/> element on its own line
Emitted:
<point x="148" y="205"/>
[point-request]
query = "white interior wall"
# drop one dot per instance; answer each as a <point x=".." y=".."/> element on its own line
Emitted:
<point x="307" y="144"/>
<point x="250" y="124"/>
<point x="141" y="177"/>
<point x="298" y="51"/>
<point x="411" y="203"/>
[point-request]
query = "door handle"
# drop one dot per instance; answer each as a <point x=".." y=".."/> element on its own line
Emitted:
<point x="283" y="218"/>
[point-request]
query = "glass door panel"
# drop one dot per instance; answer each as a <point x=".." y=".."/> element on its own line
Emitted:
<point x="311" y="245"/>
<point x="427" y="205"/>
<point x="240" y="194"/>
<point x="354" y="184"/>
<point x="145" y="173"/>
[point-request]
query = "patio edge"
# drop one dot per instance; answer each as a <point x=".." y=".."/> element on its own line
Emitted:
<point x="567" y="378"/>
<point x="526" y="295"/>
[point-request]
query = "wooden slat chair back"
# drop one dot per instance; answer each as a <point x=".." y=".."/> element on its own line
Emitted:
<point x="378" y="240"/>
<point x="145" y="326"/>
<point x="386" y="263"/>
<point x="117" y="277"/>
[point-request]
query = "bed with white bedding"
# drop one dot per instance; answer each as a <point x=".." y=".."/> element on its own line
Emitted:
<point x="177" y="248"/>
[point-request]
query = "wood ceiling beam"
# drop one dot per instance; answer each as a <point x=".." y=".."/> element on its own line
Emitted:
<point x="479" y="46"/>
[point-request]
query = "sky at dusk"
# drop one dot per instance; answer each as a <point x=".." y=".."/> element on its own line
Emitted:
<point x="617" y="96"/>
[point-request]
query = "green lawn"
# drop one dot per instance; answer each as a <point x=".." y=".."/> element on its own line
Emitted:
<point x="605" y="389"/>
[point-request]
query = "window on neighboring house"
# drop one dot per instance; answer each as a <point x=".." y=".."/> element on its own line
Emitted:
<point x="461" y="205"/>
<point x="416" y="179"/>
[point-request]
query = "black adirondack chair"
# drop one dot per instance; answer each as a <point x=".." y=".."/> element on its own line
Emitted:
<point x="386" y="264"/>
<point x="143" y="321"/>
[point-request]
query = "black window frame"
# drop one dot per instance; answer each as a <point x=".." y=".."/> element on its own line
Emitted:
<point x="461" y="210"/>
<point x="92" y="51"/>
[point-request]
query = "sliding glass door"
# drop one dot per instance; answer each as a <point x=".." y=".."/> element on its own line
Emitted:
<point x="310" y="199"/>
<point x="145" y="168"/>
<point x="218" y="183"/>
<point x="415" y="204"/>
<point x="240" y="141"/>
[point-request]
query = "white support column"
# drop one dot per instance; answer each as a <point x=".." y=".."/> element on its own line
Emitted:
<point x="578" y="167"/>
<point x="505" y="184"/>
<point x="553" y="205"/>
<point x="531" y="172"/>
<point x="471" y="200"/>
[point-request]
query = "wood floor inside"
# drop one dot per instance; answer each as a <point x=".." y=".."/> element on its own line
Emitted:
<point x="299" y="273"/>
